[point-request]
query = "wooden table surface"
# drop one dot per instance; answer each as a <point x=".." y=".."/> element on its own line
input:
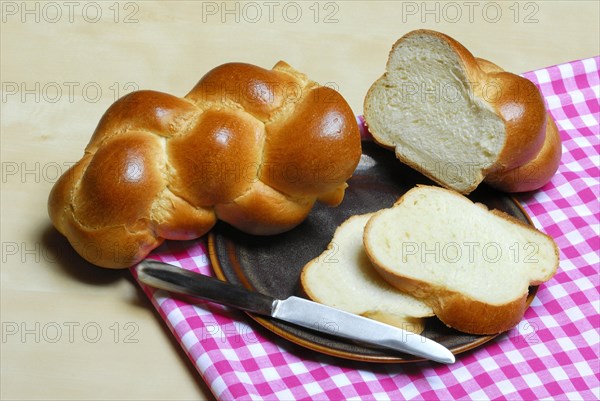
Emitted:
<point x="74" y="331"/>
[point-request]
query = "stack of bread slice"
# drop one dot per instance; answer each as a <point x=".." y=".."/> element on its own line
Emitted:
<point x="433" y="251"/>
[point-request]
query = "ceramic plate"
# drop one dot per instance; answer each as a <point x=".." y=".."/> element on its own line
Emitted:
<point x="272" y="264"/>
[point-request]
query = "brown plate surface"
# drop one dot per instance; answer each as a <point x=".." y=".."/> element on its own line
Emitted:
<point x="272" y="264"/>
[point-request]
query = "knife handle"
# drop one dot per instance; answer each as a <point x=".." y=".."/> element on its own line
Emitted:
<point x="178" y="280"/>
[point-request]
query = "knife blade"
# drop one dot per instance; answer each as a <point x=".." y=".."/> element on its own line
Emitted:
<point x="299" y="311"/>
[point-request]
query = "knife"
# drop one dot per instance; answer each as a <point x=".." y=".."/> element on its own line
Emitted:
<point x="299" y="311"/>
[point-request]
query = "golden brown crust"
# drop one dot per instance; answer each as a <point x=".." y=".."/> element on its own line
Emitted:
<point x="217" y="160"/>
<point x="540" y="162"/>
<point x="294" y="163"/>
<point x="161" y="167"/>
<point x="535" y="173"/>
<point x="128" y="165"/>
<point x="520" y="105"/>
<point x="145" y="110"/>
<point x="529" y="128"/>
<point x="256" y="90"/>
<point x="333" y="197"/>
<point x="176" y="219"/>
<point x="263" y="210"/>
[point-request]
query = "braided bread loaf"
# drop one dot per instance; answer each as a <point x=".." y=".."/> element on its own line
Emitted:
<point x="253" y="147"/>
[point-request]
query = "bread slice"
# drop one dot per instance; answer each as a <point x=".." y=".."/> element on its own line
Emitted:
<point x="343" y="277"/>
<point x="472" y="266"/>
<point x="458" y="119"/>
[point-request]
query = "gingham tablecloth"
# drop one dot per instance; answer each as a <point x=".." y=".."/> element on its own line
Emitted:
<point x="553" y="353"/>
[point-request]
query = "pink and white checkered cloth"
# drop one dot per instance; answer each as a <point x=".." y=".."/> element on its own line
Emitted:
<point x="552" y="353"/>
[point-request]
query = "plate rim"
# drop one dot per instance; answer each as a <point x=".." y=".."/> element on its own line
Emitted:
<point x="267" y="322"/>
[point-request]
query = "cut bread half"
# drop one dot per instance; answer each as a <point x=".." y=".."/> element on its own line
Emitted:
<point x="472" y="266"/>
<point x="343" y="277"/>
<point x="457" y="119"/>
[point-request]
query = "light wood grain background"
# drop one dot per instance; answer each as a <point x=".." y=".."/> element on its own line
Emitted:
<point x="73" y="331"/>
